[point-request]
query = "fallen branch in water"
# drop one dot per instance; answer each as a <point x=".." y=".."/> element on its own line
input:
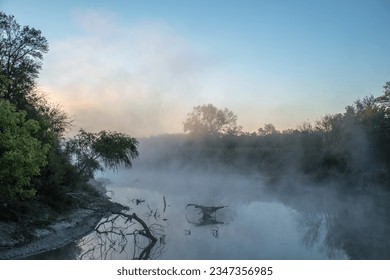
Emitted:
<point x="113" y="234"/>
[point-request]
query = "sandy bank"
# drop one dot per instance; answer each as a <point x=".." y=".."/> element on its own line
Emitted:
<point x="64" y="230"/>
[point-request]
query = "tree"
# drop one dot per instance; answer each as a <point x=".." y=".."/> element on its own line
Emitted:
<point x="268" y="129"/>
<point x="52" y="118"/>
<point x="92" y="151"/>
<point x="3" y="84"/>
<point x="21" y="154"/>
<point x="384" y="100"/>
<point x="21" y="53"/>
<point x="209" y="120"/>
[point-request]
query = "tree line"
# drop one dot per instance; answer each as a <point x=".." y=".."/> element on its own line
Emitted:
<point x="351" y="146"/>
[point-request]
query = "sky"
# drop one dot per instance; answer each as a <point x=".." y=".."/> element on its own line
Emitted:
<point x="140" y="67"/>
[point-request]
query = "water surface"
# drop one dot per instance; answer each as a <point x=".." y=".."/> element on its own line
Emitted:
<point x="250" y="223"/>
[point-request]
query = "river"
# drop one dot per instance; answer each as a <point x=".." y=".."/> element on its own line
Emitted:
<point x="216" y="215"/>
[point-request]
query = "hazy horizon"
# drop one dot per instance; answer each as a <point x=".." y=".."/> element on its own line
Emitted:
<point x="139" y="68"/>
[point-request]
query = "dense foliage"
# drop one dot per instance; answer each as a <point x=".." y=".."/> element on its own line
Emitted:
<point x="111" y="148"/>
<point x="21" y="154"/>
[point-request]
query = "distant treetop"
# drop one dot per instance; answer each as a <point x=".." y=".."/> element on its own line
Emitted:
<point x="209" y="120"/>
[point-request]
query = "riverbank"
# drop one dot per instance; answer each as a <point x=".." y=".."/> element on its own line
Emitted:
<point x="18" y="243"/>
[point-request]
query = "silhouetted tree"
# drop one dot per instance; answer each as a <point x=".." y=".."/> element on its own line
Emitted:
<point x="209" y="120"/>
<point x="21" y="53"/>
<point x="384" y="100"/>
<point x="268" y="129"/>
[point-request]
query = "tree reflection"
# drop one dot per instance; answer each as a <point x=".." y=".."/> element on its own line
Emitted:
<point x="316" y="227"/>
<point x="310" y="225"/>
<point x="124" y="236"/>
<point x="358" y="230"/>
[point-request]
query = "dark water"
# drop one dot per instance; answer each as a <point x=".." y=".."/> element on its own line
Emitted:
<point x="248" y="222"/>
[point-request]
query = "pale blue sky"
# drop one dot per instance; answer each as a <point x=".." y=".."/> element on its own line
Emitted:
<point x="140" y="66"/>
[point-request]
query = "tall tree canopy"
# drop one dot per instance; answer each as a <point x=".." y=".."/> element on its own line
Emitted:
<point x="209" y="120"/>
<point x="21" y="53"/>
<point x="384" y="100"/>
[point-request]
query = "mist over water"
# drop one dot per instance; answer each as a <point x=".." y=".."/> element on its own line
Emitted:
<point x="253" y="224"/>
<point x="202" y="209"/>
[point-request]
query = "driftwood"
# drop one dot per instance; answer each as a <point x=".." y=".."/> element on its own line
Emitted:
<point x="115" y="232"/>
<point x="209" y="215"/>
<point x="118" y="227"/>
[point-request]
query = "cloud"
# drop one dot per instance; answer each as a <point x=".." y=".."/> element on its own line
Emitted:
<point x="139" y="79"/>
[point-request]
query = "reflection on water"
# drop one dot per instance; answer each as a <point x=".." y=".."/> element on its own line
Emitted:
<point x="205" y="216"/>
<point x="354" y="224"/>
<point x="124" y="236"/>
